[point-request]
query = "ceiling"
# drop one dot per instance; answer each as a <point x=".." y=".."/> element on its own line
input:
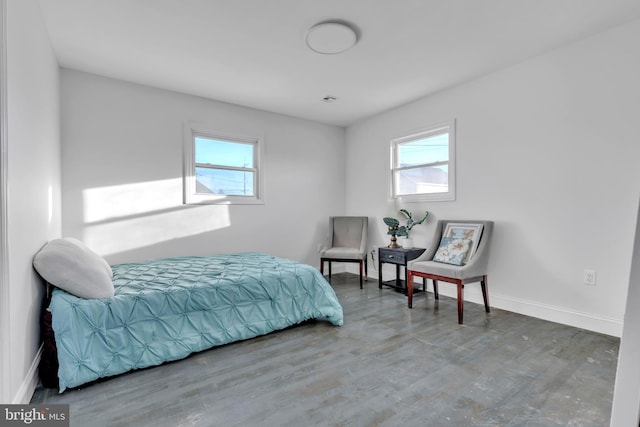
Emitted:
<point x="253" y="52"/>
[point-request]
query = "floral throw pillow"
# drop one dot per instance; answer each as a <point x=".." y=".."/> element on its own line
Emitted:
<point x="452" y="250"/>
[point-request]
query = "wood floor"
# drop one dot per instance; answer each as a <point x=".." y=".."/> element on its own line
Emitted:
<point x="387" y="366"/>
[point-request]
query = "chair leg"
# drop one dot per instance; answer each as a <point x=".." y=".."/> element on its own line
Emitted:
<point x="410" y="289"/>
<point x="322" y="266"/>
<point x="366" y="269"/>
<point x="435" y="288"/>
<point x="329" y="269"/>
<point x="360" y="264"/>
<point x="460" y="302"/>
<point x="485" y="294"/>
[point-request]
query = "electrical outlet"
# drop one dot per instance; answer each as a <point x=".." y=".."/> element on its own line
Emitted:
<point x="590" y="277"/>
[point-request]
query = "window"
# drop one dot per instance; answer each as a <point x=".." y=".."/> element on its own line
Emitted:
<point x="221" y="168"/>
<point x="423" y="165"/>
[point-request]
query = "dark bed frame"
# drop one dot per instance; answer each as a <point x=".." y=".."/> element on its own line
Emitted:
<point x="48" y="367"/>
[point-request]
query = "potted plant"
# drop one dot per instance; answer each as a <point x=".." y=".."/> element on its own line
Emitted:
<point x="393" y="225"/>
<point x="396" y="230"/>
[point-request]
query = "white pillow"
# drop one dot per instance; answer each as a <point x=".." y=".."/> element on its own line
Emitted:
<point x="85" y="248"/>
<point x="70" y="265"/>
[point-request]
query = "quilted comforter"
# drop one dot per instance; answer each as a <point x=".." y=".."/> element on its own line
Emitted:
<point x="166" y="309"/>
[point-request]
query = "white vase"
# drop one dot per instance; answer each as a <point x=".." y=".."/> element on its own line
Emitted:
<point x="407" y="243"/>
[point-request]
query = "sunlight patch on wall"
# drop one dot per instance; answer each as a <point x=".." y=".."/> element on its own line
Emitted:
<point x="129" y="216"/>
<point x="124" y="200"/>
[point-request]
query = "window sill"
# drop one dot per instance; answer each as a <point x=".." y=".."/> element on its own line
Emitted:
<point x="196" y="199"/>
<point x="436" y="197"/>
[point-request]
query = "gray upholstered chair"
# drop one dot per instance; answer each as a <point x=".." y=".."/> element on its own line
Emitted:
<point x="475" y="270"/>
<point x="348" y="242"/>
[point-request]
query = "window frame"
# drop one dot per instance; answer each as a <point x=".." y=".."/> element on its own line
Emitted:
<point x="434" y="130"/>
<point x="191" y="197"/>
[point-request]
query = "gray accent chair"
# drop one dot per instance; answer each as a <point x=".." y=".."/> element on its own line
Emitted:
<point x="475" y="270"/>
<point x="348" y="242"/>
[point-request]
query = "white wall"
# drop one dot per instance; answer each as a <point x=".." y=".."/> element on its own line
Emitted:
<point x="34" y="183"/>
<point x="122" y="175"/>
<point x="548" y="149"/>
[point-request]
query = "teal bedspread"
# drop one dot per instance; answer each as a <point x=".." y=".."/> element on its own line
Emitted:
<point x="166" y="309"/>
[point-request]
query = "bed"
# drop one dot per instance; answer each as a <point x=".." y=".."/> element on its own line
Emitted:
<point x="166" y="309"/>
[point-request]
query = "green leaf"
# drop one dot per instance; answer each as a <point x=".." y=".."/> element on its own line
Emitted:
<point x="426" y="214"/>
<point x="406" y="213"/>
<point x="391" y="222"/>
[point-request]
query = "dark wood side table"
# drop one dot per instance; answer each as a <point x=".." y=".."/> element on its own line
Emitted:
<point x="399" y="257"/>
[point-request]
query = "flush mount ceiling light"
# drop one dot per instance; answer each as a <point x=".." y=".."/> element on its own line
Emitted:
<point x="331" y="37"/>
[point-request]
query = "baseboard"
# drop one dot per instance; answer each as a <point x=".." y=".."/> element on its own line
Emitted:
<point x="340" y="267"/>
<point x="601" y="324"/>
<point x="28" y="386"/>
